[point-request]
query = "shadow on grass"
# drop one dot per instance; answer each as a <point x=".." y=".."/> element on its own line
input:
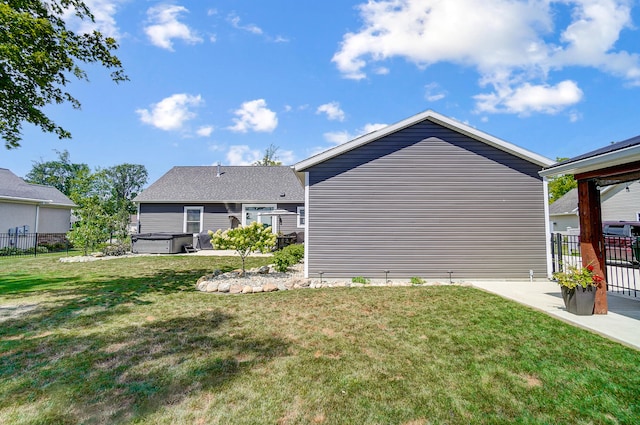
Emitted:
<point x="129" y="372"/>
<point x="93" y="352"/>
<point x="99" y="297"/>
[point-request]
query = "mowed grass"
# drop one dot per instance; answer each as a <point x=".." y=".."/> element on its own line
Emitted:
<point x="131" y="341"/>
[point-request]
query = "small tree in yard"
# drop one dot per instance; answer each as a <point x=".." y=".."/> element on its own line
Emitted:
<point x="245" y="240"/>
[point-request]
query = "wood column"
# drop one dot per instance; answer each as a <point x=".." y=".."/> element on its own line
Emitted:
<point x="591" y="240"/>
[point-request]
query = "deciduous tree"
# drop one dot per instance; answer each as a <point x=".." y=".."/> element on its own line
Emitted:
<point x="558" y="186"/>
<point x="38" y="56"/>
<point x="244" y="240"/>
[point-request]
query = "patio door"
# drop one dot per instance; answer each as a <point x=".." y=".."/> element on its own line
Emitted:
<point x="250" y="214"/>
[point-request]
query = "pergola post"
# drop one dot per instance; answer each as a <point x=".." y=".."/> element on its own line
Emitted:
<point x="591" y="239"/>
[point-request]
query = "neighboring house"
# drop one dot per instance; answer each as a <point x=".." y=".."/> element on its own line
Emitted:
<point x="619" y="202"/>
<point x="425" y="197"/>
<point x="563" y="213"/>
<point x="198" y="199"/>
<point x="32" y="208"/>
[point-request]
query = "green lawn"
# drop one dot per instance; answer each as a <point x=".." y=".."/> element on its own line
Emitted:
<point x="131" y="341"/>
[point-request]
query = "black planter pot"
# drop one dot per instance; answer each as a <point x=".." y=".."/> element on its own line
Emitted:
<point x="579" y="301"/>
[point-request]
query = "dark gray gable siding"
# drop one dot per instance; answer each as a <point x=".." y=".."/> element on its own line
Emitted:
<point x="170" y="217"/>
<point x="421" y="202"/>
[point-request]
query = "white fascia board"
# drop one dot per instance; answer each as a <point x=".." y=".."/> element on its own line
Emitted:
<point x="435" y="118"/>
<point x="606" y="160"/>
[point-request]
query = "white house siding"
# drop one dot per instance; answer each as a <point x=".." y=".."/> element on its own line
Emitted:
<point x="14" y="215"/>
<point x="54" y="220"/>
<point x="621" y="204"/>
<point x="422" y="202"/>
<point x="563" y="223"/>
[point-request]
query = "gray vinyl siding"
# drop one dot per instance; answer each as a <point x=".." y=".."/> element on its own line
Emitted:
<point x="622" y="205"/>
<point x="170" y="217"/>
<point x="289" y="222"/>
<point x="421" y="202"/>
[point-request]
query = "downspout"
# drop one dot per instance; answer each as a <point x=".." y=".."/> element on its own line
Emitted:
<point x="37" y="218"/>
<point x="547" y="227"/>
<point x="306" y="225"/>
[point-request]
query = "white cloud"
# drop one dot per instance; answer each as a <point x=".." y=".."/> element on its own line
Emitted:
<point x="164" y="26"/>
<point x="234" y="20"/>
<point x="205" y="131"/>
<point x="243" y="155"/>
<point x="103" y="12"/>
<point x="172" y="112"/>
<point x="529" y="98"/>
<point x="255" y="116"/>
<point x="286" y="157"/>
<point x="340" y="137"/>
<point x="514" y="45"/>
<point x="333" y="111"/>
<point x="433" y="92"/>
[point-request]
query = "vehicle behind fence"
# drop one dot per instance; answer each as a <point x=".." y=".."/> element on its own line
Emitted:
<point x="622" y="258"/>
<point x="19" y="243"/>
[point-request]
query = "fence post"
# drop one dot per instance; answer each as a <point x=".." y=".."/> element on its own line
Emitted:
<point x="553" y="253"/>
<point x="35" y="246"/>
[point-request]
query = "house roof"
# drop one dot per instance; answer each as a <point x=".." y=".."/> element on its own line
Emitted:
<point x="13" y="188"/>
<point x="566" y="204"/>
<point x="234" y="184"/>
<point x="437" y="119"/>
<point x="619" y="153"/>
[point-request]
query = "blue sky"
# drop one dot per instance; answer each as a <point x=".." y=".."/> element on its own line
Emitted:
<point x="214" y="81"/>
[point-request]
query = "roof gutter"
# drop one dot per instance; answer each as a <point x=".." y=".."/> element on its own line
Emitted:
<point x="35" y="201"/>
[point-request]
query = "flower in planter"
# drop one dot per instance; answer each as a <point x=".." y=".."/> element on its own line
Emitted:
<point x="574" y="276"/>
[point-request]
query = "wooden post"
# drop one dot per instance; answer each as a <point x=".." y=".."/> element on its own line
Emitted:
<point x="591" y="240"/>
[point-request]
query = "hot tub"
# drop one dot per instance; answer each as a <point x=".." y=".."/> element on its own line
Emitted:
<point x="160" y="243"/>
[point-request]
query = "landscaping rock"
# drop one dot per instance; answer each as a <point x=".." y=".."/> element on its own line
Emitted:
<point x="257" y="281"/>
<point x="269" y="287"/>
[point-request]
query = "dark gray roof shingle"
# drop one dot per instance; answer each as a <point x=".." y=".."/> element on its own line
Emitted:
<point x="235" y="184"/>
<point x="566" y="204"/>
<point x="601" y="151"/>
<point x="12" y="186"/>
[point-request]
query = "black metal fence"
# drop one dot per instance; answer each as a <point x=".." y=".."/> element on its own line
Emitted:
<point x="12" y="244"/>
<point x="622" y="258"/>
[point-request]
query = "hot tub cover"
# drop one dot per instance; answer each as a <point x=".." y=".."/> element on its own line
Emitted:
<point x="160" y="236"/>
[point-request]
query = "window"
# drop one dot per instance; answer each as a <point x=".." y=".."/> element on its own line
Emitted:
<point x="301" y="217"/>
<point x="193" y="219"/>
<point x="250" y="214"/>
<point x="638" y="216"/>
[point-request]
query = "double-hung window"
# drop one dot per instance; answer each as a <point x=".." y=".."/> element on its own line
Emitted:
<point x="193" y="219"/>
<point x="301" y="219"/>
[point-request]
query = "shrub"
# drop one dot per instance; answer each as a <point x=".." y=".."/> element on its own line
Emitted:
<point x="245" y="240"/>
<point x="10" y="250"/>
<point x="287" y="257"/>
<point x="360" y="279"/>
<point x="115" y="249"/>
<point x="415" y="280"/>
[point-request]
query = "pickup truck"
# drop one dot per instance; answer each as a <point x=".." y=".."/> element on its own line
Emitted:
<point x="622" y="241"/>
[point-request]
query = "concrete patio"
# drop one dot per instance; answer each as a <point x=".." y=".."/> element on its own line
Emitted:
<point x="621" y="324"/>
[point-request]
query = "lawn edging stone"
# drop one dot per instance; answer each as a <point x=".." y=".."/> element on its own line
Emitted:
<point x="267" y="279"/>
